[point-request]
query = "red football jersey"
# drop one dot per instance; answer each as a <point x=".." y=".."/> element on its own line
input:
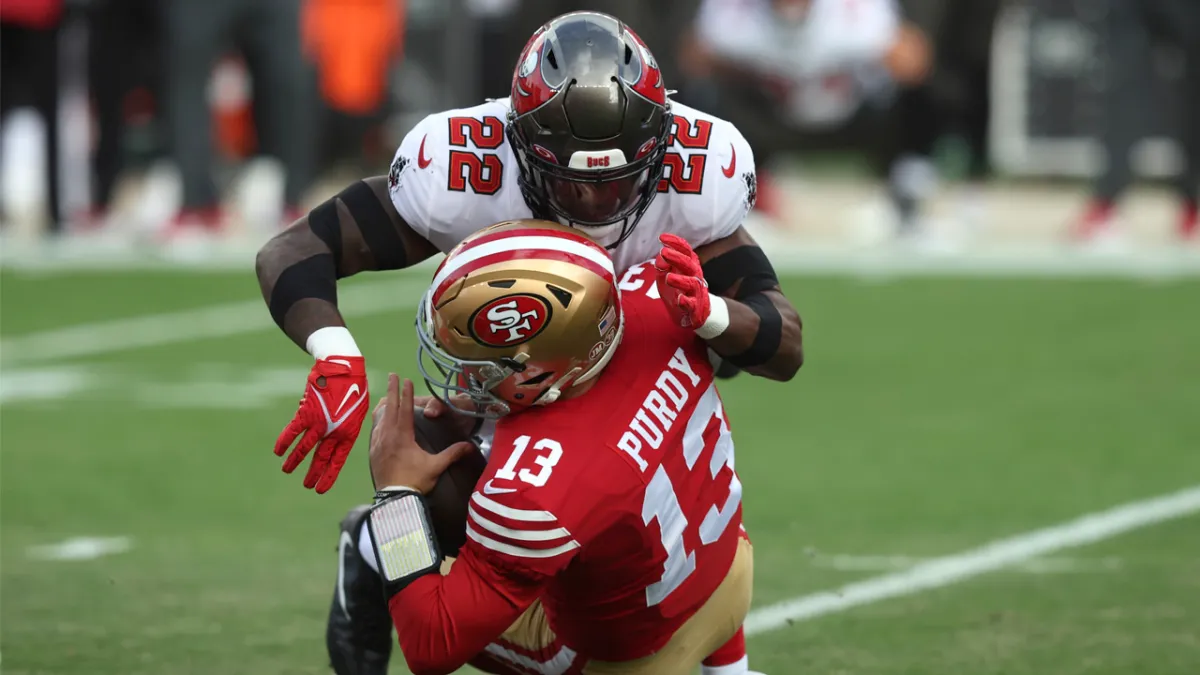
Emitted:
<point x="623" y="503"/>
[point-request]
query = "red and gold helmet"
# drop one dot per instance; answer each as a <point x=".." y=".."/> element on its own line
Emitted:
<point x="516" y="314"/>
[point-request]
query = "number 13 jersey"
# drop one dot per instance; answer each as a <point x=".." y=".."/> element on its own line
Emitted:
<point x="455" y="174"/>
<point x="623" y="503"/>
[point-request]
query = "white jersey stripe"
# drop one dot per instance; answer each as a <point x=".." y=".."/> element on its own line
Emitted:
<point x="522" y="243"/>
<point x="558" y="665"/>
<point x="520" y="535"/>
<point x="519" y="551"/>
<point x="528" y="515"/>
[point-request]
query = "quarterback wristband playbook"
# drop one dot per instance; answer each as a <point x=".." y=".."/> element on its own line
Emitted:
<point x="402" y="535"/>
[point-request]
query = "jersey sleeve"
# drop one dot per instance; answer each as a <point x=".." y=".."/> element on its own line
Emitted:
<point x="413" y="181"/>
<point x="418" y="185"/>
<point x="444" y="621"/>
<point x="728" y="191"/>
<point x="515" y="532"/>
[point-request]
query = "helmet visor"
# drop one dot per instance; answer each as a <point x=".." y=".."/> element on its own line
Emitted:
<point x="595" y="202"/>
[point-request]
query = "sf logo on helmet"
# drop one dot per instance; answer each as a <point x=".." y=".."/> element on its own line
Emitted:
<point x="510" y="320"/>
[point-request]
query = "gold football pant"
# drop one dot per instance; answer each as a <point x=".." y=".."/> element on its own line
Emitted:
<point x="530" y="645"/>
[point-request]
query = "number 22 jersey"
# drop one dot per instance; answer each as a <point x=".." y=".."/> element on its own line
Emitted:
<point x="622" y="503"/>
<point x="455" y="173"/>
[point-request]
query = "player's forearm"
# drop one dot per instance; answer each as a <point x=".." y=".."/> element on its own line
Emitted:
<point x="298" y="278"/>
<point x="764" y="336"/>
<point x="358" y="229"/>
<point x="444" y="621"/>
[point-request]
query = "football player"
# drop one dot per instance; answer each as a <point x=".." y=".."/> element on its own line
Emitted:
<point x="605" y="534"/>
<point x="589" y="138"/>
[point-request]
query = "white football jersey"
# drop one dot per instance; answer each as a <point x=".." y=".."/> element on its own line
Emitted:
<point x="455" y="174"/>
<point x="832" y="55"/>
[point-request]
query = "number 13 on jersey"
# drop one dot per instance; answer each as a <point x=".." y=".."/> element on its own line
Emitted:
<point x="662" y="502"/>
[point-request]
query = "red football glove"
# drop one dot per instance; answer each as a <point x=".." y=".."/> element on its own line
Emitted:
<point x="681" y="282"/>
<point x="331" y="415"/>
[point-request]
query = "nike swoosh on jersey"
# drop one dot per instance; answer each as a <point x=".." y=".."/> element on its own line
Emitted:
<point x="489" y="489"/>
<point x="422" y="160"/>
<point x="728" y="171"/>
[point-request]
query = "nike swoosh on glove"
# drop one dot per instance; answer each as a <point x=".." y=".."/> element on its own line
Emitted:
<point x="681" y="282"/>
<point x="331" y="414"/>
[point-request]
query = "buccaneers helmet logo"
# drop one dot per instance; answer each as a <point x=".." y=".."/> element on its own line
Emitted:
<point x="510" y="320"/>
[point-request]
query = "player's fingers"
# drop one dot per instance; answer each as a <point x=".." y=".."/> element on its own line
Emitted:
<point x="679" y="282"/>
<point x="336" y="462"/>
<point x="392" y="400"/>
<point x="377" y="414"/>
<point x="289" y="434"/>
<point x="307" y="443"/>
<point x="677" y="259"/>
<point x="434" y="407"/>
<point x="452" y="454"/>
<point x="320" y="462"/>
<point x="404" y="413"/>
<point x="672" y="240"/>
<point x="677" y="244"/>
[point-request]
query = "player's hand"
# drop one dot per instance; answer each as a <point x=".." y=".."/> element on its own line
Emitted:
<point x="330" y="416"/>
<point x="396" y="459"/>
<point x="681" y="282"/>
<point x="436" y="409"/>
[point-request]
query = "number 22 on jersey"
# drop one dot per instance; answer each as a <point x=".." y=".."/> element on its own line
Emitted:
<point x="482" y="171"/>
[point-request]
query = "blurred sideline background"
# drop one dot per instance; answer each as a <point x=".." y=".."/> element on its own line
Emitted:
<point x="988" y="136"/>
<point x="957" y="441"/>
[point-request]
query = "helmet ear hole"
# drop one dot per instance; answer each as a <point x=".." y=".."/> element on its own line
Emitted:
<point x="537" y="379"/>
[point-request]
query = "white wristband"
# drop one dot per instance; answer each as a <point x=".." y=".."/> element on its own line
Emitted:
<point x="331" y="341"/>
<point x="718" y="318"/>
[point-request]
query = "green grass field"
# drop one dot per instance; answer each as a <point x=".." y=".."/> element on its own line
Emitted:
<point x="933" y="416"/>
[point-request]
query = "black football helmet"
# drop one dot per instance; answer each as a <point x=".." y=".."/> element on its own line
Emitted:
<point x="589" y="125"/>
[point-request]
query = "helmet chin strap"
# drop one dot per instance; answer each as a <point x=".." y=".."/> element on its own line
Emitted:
<point x="569" y="380"/>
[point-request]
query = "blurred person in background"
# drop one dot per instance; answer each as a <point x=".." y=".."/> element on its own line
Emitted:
<point x="29" y="81"/>
<point x="353" y="44"/>
<point x="1132" y="26"/>
<point x="125" y="50"/>
<point x="267" y="32"/>
<point x="811" y="74"/>
<point x="955" y="100"/>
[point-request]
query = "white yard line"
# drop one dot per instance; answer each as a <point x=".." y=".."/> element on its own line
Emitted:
<point x="81" y="548"/>
<point x="217" y="321"/>
<point x="990" y="557"/>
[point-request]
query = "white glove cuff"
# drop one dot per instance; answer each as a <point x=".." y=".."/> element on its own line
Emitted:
<point x="718" y="318"/>
<point x="331" y="341"/>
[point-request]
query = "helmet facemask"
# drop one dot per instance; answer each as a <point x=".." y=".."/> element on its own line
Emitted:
<point x="517" y="315"/>
<point x="589" y="125"/>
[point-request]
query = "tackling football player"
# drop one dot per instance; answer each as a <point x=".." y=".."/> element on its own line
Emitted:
<point x="588" y="138"/>
<point x="605" y="534"/>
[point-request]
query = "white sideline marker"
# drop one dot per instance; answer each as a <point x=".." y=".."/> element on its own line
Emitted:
<point x="990" y="557"/>
<point x="215" y="321"/>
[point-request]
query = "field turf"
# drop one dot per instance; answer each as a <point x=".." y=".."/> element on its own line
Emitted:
<point x="932" y="416"/>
